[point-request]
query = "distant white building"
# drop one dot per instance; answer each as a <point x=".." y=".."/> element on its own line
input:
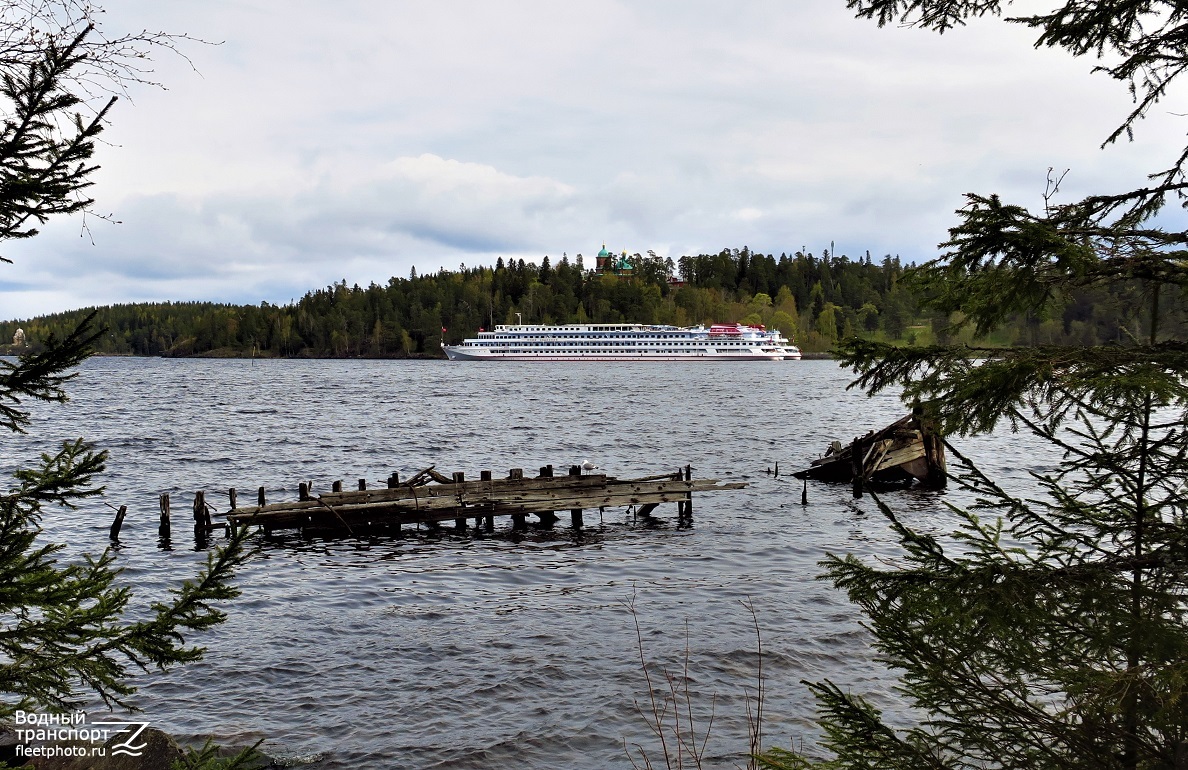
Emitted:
<point x="18" y="339"/>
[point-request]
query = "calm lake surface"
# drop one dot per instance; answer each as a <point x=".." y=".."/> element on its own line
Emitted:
<point x="493" y="650"/>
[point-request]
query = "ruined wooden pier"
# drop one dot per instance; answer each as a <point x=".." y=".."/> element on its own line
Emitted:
<point x="431" y="498"/>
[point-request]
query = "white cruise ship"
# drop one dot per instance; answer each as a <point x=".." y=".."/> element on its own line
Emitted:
<point x="624" y="342"/>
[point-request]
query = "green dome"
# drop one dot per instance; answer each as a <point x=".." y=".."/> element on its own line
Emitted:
<point x="604" y="252"/>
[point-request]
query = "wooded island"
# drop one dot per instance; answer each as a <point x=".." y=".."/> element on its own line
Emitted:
<point x="815" y="300"/>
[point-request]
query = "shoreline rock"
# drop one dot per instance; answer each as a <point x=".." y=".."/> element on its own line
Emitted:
<point x="159" y="753"/>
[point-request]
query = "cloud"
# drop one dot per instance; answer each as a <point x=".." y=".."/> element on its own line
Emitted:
<point x="270" y="247"/>
<point x="314" y="147"/>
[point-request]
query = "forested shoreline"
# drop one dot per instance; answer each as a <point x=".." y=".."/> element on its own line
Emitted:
<point x="814" y="300"/>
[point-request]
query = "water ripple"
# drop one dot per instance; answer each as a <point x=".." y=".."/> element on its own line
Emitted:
<point x="506" y="649"/>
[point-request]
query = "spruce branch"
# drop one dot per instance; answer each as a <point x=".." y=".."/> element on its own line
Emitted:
<point x="41" y="376"/>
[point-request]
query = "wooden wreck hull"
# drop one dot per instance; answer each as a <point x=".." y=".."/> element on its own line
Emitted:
<point x="902" y="453"/>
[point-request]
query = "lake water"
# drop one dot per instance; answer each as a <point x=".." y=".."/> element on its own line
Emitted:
<point x="493" y="650"/>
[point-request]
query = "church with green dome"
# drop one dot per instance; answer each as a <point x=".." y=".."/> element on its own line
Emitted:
<point x="607" y="263"/>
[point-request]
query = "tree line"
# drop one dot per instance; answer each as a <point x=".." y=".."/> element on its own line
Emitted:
<point x="813" y="300"/>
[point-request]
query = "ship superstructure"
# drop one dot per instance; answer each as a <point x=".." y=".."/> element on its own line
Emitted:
<point x="624" y="342"/>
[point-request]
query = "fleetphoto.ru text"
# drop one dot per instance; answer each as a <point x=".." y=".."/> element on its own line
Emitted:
<point x="71" y="735"/>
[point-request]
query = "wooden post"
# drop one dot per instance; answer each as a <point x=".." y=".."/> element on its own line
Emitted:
<point x="233" y="498"/>
<point x="688" y="495"/>
<point x="460" y="523"/>
<point x="362" y="485"/>
<point x="856" y="468"/>
<point x="519" y="520"/>
<point x="547" y="518"/>
<point x="336" y="486"/>
<point x="575" y="514"/>
<point x="679" y="476"/>
<point x="303" y="491"/>
<point x="164" y="529"/>
<point x="118" y="523"/>
<point x="934" y="452"/>
<point x="489" y="521"/>
<point x="201" y="515"/>
<point x="394" y="480"/>
<point x="261" y="499"/>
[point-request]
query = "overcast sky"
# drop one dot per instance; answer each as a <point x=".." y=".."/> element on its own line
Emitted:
<point x="355" y="140"/>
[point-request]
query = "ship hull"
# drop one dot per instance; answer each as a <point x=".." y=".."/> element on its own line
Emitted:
<point x="454" y="353"/>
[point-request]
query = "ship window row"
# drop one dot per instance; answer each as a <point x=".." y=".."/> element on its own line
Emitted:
<point x="532" y="343"/>
<point x="632" y="345"/>
<point x="584" y="335"/>
<point x="587" y="351"/>
<point x="607" y="349"/>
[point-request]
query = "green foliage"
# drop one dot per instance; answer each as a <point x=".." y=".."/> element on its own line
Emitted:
<point x="43" y="171"/>
<point x="404" y="317"/>
<point x="64" y="630"/>
<point x="41" y="375"/>
<point x="1048" y="630"/>
<point x="827" y="322"/>
<point x="63" y="636"/>
<point x="1052" y="633"/>
<point x="208" y="758"/>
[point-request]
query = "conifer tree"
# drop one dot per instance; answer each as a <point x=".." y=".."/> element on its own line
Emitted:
<point x="63" y="632"/>
<point x="1050" y="629"/>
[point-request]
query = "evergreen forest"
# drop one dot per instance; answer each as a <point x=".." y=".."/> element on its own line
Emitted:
<point x="813" y="300"/>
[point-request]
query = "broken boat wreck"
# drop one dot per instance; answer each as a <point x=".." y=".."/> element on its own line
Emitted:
<point x="431" y="498"/>
<point x="905" y="451"/>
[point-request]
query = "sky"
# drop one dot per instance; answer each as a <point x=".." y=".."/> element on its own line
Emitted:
<point x="315" y="142"/>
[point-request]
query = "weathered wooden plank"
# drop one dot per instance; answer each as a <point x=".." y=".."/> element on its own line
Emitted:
<point x="484" y="499"/>
<point x="404" y="492"/>
<point x="901" y="456"/>
<point x="437" y="490"/>
<point x="440" y="509"/>
<point x="561" y="497"/>
<point x="538" y="499"/>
